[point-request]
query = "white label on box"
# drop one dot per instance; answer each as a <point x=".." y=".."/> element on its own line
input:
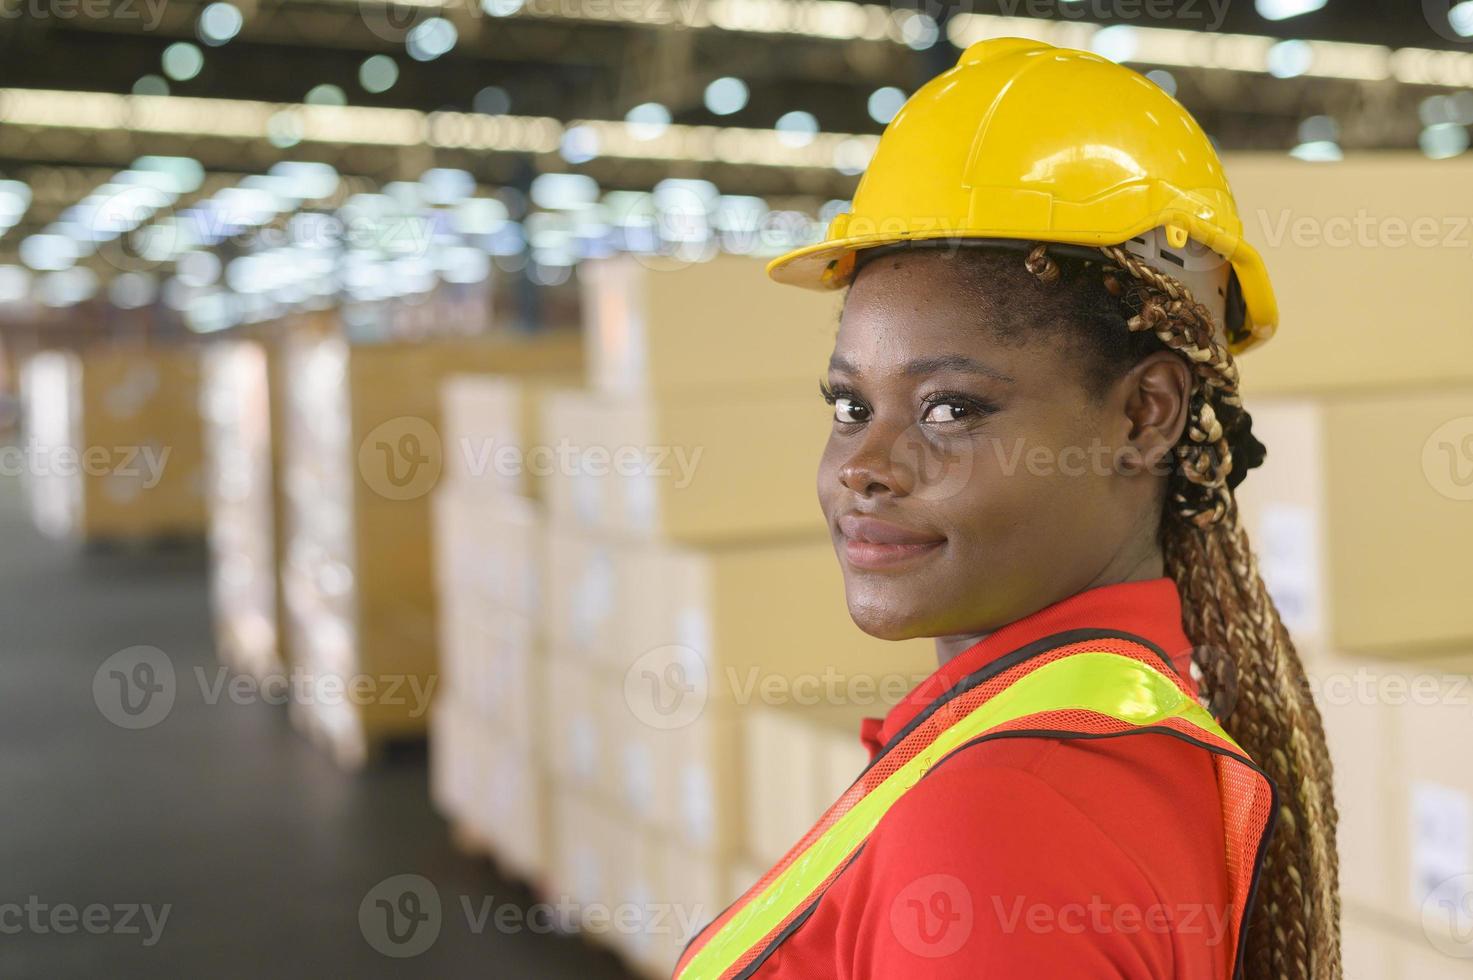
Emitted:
<point x="587" y="876"/>
<point x="642" y="898"/>
<point x="594" y="599"/>
<point x="533" y="589"/>
<point x="495" y="577"/>
<point x="637" y="353"/>
<point x="641" y="501"/>
<point x="583" y="739"/>
<point x="499" y="693"/>
<point x="698" y="805"/>
<point x="639" y="777"/>
<point x="587" y="506"/>
<point x="693" y="630"/>
<point x="1440" y="847"/>
<point x="1288" y="559"/>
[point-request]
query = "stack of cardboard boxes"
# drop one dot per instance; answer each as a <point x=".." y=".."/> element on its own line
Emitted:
<point x="113" y="448"/>
<point x="1362" y="517"/>
<point x="244" y="494"/>
<point x="690" y="583"/>
<point x="1362" y="534"/>
<point x="363" y="452"/>
<point x="488" y="756"/>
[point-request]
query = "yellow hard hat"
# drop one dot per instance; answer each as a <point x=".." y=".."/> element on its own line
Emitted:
<point x="1023" y="140"/>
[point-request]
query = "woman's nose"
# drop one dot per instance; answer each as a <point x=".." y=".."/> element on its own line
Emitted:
<point x="885" y="462"/>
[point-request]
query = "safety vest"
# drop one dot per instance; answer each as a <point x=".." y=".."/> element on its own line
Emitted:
<point x="1078" y="684"/>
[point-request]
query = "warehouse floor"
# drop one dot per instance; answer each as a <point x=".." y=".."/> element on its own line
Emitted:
<point x="262" y="851"/>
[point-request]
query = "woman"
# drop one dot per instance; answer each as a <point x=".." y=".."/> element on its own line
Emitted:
<point x="1036" y="437"/>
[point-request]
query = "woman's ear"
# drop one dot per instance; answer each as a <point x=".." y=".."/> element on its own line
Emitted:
<point x="1157" y="402"/>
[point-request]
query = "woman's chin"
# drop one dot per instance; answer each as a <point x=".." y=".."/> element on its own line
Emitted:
<point x="886" y="619"/>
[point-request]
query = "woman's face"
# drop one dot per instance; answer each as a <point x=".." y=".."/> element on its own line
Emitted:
<point x="971" y="478"/>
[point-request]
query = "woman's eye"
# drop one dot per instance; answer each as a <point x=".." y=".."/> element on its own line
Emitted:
<point x="848" y="410"/>
<point x="945" y="412"/>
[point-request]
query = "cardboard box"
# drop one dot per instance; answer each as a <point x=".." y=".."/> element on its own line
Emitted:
<point x="709" y="783"/>
<point x="1396" y="731"/>
<point x="1430" y="797"/>
<point x="493" y="789"/>
<point x="115" y="443"/>
<point x="1369" y="950"/>
<point x="592" y="590"/>
<point x="1413" y="957"/>
<point x="577" y="755"/>
<point x="49" y="384"/>
<point x="1333" y="237"/>
<point x="363" y="457"/>
<point x="799" y="760"/>
<point x="1351" y="694"/>
<point x="1360" y="519"/>
<point x="455" y="756"/>
<point x="653" y="324"/>
<point x="745" y="873"/>
<point x="700" y="468"/>
<point x="668" y="648"/>
<point x="488" y="549"/>
<point x="638" y="919"/>
<point x="781" y="765"/>
<point x="243" y="492"/>
<point x="696" y="887"/>
<point x="685" y="905"/>
<point x="758" y="622"/>
<point x="491" y="660"/>
<point x="514" y="805"/>
<point x="490" y="429"/>
<point x="585" y="854"/>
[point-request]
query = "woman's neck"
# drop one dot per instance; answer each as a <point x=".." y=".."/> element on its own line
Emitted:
<point x="1150" y="565"/>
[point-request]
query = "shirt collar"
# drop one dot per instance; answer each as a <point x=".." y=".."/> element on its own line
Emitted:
<point x="1149" y="609"/>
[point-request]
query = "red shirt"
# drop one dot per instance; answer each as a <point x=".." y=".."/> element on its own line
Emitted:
<point x="1037" y="858"/>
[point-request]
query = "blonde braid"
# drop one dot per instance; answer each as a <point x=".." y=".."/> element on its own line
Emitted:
<point x="1251" y="673"/>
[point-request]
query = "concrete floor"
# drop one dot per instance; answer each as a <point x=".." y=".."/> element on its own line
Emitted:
<point x="261" y="849"/>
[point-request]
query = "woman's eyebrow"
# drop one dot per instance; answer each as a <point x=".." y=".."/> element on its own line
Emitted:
<point x="953" y="362"/>
<point x="929" y="365"/>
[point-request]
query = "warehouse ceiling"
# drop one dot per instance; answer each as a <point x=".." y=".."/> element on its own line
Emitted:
<point x="776" y="103"/>
<point x="596" y="59"/>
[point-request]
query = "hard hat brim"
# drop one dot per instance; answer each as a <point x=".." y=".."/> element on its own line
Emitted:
<point x="830" y="265"/>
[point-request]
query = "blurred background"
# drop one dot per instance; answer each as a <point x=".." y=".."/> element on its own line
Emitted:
<point x="411" y="564"/>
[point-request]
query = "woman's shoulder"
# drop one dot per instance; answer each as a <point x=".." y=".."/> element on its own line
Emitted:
<point x="1145" y="804"/>
<point x="1053" y="856"/>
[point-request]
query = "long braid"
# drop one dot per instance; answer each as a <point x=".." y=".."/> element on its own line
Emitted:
<point x="1249" y="671"/>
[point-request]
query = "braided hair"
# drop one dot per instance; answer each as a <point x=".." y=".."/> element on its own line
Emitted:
<point x="1117" y="310"/>
<point x="1249" y="672"/>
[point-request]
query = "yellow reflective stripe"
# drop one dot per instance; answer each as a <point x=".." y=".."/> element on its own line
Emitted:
<point x="1105" y="683"/>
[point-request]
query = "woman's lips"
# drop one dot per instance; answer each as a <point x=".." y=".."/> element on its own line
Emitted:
<point x="872" y="543"/>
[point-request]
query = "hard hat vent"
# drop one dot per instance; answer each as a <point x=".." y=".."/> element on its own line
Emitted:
<point x="997" y="47"/>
